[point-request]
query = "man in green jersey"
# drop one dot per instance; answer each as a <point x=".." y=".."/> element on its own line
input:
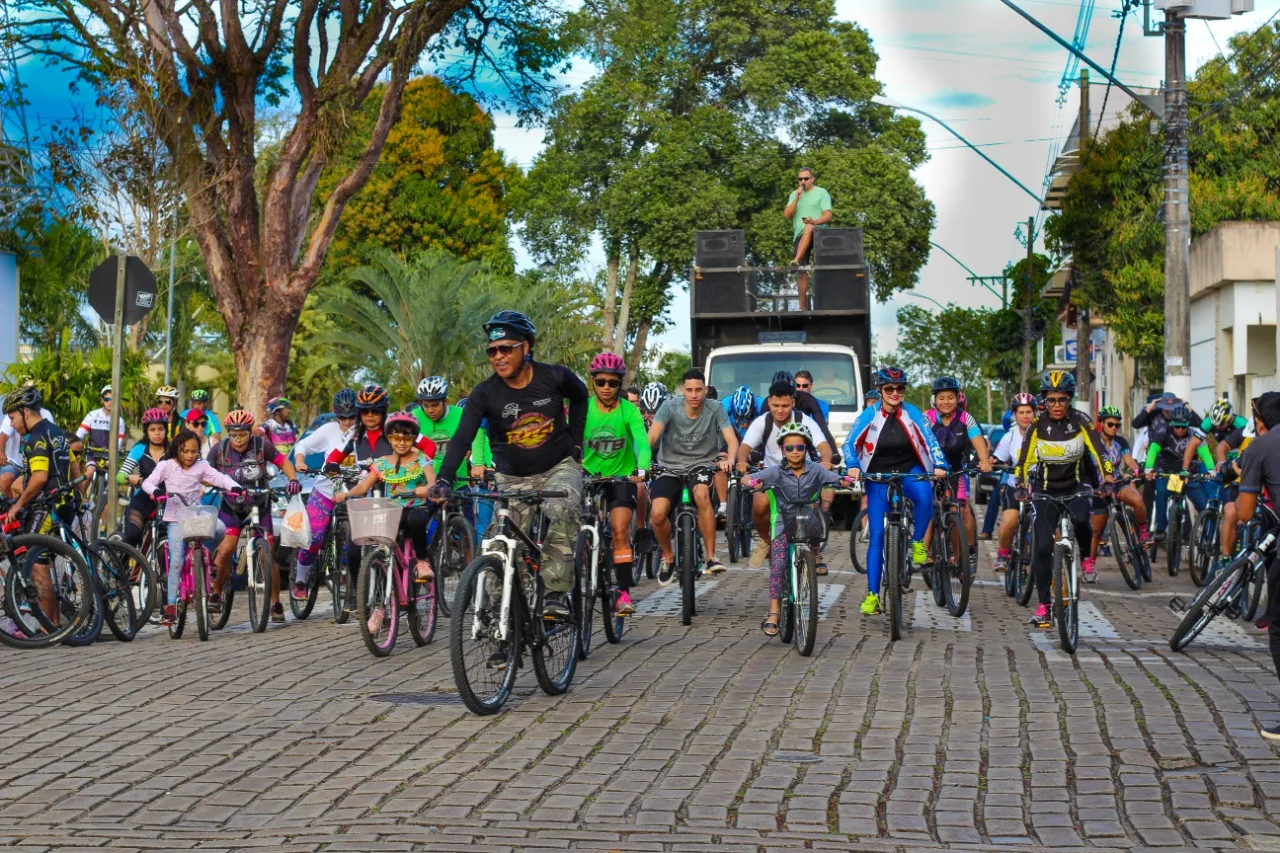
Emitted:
<point x="439" y="421"/>
<point x="616" y="444"/>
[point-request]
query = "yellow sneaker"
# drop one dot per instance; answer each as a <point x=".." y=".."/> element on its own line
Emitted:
<point x="919" y="556"/>
<point x="871" y="604"/>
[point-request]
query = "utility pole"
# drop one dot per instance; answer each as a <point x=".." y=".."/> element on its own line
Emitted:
<point x="1177" y="213"/>
<point x="1030" y="282"/>
<point x="1084" y="394"/>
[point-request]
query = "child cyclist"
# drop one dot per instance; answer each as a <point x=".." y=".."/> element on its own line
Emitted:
<point x="142" y="460"/>
<point x="799" y="480"/>
<point x="408" y="474"/>
<point x="616" y="445"/>
<point x="181" y="473"/>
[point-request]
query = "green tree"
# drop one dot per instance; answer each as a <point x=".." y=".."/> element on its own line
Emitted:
<point x="1110" y="220"/>
<point x="69" y="380"/>
<point x="54" y="268"/>
<point x="670" y="138"/>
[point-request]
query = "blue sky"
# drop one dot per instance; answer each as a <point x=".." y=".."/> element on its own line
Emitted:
<point x="994" y="78"/>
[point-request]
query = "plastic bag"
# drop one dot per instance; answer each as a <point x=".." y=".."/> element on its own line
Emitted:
<point x="296" y="528"/>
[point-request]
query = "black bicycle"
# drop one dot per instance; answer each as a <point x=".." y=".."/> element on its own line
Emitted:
<point x="896" y="575"/>
<point x="738" y="523"/>
<point x="1066" y="570"/>
<point x="453" y="546"/>
<point x="1206" y="539"/>
<point x="498" y="613"/>
<point x="687" y="540"/>
<point x="950" y="575"/>
<point x="1122" y="534"/>
<point x="1178" y="533"/>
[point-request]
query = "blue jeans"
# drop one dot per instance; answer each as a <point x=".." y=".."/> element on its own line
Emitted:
<point x="993" y="510"/>
<point x="1195" y="492"/>
<point x="175" y="561"/>
<point x="920" y="492"/>
<point x="483" y="513"/>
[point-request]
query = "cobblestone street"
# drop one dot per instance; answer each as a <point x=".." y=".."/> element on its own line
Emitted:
<point x="970" y="734"/>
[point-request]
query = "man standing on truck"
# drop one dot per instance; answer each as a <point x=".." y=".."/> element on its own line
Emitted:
<point x="809" y="207"/>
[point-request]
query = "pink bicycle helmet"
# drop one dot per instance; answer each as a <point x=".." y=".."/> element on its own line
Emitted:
<point x="402" y="422"/>
<point x="154" y="415"/>
<point x="1024" y="399"/>
<point x="607" y="362"/>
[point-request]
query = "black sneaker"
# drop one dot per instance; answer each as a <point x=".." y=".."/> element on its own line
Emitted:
<point x="1270" y="732"/>
<point x="666" y="573"/>
<point x="277" y="612"/>
<point x="556" y="606"/>
<point x="715" y="567"/>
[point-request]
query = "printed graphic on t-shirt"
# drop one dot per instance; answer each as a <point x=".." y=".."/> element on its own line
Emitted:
<point x="531" y="430"/>
<point x="605" y="442"/>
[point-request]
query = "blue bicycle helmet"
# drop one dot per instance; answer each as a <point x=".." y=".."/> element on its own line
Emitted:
<point x="946" y="383"/>
<point x="871" y="396"/>
<point x="1058" y="380"/>
<point x="344" y="403"/>
<point x="1007" y="420"/>
<point x="891" y="376"/>
<point x="743" y="403"/>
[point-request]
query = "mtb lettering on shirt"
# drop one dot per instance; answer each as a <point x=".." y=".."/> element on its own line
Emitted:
<point x="615" y="443"/>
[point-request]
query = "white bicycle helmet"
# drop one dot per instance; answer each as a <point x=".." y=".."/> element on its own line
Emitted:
<point x="433" y="388"/>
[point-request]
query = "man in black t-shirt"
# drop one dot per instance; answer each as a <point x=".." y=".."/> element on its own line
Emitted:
<point x="1260" y="469"/>
<point x="535" y="447"/>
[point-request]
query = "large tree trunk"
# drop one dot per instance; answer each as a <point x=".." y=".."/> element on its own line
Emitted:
<point x="637" y="349"/>
<point x="624" y="319"/>
<point x="262" y="356"/>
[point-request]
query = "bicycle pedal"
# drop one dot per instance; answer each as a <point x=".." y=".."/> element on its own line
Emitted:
<point x="1178" y="604"/>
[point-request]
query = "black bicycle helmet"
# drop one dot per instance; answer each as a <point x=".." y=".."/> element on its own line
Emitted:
<point x="1058" y="380"/>
<point x="946" y="383"/>
<point x="510" y="324"/>
<point x="783" y="376"/>
<point x="24" y="398"/>
<point x="344" y="403"/>
<point x="1180" y="416"/>
<point x="373" y="398"/>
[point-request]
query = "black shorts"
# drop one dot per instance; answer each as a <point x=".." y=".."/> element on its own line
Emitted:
<point x="670" y="485"/>
<point x="808" y="255"/>
<point x="1098" y="505"/>
<point x="619" y="495"/>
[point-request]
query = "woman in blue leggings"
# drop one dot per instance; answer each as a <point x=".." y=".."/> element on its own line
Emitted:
<point x="893" y="438"/>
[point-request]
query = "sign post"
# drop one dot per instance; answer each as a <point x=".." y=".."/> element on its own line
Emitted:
<point x="122" y="290"/>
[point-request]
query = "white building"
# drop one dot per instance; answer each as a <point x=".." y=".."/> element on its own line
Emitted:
<point x="1234" y="271"/>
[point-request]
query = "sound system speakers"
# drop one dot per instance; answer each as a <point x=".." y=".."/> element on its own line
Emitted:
<point x="720" y="292"/>
<point x="839" y="289"/>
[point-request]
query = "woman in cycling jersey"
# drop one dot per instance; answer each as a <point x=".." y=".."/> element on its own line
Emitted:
<point x="1064" y="446"/>
<point x="893" y="438"/>
<point x="1007" y="451"/>
<point x="332" y="436"/>
<point x="616" y="445"/>
<point x="1114" y="449"/>
<point x="958" y="435"/>
<point x="141" y="461"/>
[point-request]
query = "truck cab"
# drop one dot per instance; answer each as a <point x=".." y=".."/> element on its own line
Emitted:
<point x="837" y="375"/>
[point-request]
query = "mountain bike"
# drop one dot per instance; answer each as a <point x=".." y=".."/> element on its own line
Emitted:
<point x="686" y="539"/>
<point x="197" y="524"/>
<point x="1066" y="570"/>
<point x="498" y="613"/>
<point x="31" y="564"/>
<point x="1178" y="532"/>
<point x="1227" y="591"/>
<point x="1122" y="532"/>
<point x="1205" y="540"/>
<point x="594" y="550"/>
<point x="253" y="561"/>
<point x="738" y="525"/>
<point x="1018" y="583"/>
<point x="950" y="576"/>
<point x="453" y="546"/>
<point x="896" y="574"/>
<point x="798" y="611"/>
<point x="388" y="583"/>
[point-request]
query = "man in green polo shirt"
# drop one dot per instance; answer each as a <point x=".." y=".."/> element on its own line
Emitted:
<point x="809" y="207"/>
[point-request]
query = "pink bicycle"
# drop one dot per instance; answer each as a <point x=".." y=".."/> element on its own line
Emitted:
<point x="198" y="524"/>
<point x="387" y="584"/>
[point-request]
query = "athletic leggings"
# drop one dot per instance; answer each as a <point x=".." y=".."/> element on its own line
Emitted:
<point x="778" y="562"/>
<point x="1046" y="525"/>
<point x="920" y="493"/>
<point x="319" y="513"/>
<point x="140" y="508"/>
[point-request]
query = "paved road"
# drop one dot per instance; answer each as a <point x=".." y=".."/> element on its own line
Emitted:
<point x="969" y="735"/>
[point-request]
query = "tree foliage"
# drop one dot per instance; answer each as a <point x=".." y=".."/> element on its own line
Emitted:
<point x="55" y="258"/>
<point x="697" y="120"/>
<point x="438" y="184"/>
<point x="1111" y="218"/>
<point x="69" y="380"/>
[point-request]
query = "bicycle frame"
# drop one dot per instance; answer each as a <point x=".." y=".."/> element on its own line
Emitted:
<point x="503" y="545"/>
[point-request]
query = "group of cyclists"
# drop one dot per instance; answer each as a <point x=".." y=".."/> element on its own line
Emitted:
<point x="536" y="427"/>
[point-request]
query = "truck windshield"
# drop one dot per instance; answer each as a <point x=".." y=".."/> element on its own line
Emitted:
<point x="832" y="373"/>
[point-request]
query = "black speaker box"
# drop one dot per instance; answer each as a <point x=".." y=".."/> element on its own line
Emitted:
<point x="837" y="246"/>
<point x="722" y="249"/>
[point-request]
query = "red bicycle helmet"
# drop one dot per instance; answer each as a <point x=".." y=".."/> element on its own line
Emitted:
<point x="154" y="415"/>
<point x="238" y="419"/>
<point x="608" y="362"/>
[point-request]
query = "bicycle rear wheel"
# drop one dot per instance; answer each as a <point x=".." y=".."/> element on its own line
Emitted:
<point x="302" y="609"/>
<point x="116" y="571"/>
<point x="1208" y="603"/>
<point x="557" y="646"/>
<point x="1205" y="551"/>
<point x="201" y="576"/>
<point x="260" y="566"/>
<point x="484" y="667"/>
<point x="1066" y="609"/>
<point x="858" y="543"/>
<point x="584" y="591"/>
<point x="806" y="603"/>
<point x="687" y="555"/>
<point x="1253" y="595"/>
<point x="956" y="573"/>
<point x="334" y="555"/>
<point x="423" y="606"/>
<point x="376" y="605"/>
<point x="891" y="579"/>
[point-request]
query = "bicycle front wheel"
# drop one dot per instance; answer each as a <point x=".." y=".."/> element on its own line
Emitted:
<point x="687" y="551"/>
<point x="1254" y="594"/>
<point x="891" y="578"/>
<point x="1024" y="552"/>
<point x="607" y="590"/>
<point x="423" y="606"/>
<point x="484" y="665"/>
<point x="455" y="552"/>
<point x="1124" y="546"/>
<point x="1175" y="541"/>
<point x="806" y="603"/>
<point x="259" y="569"/>
<point x="118" y="568"/>
<point x="376" y="609"/>
<point x="731" y="521"/>
<point x="957" y="572"/>
<point x="302" y="609"/>
<point x="1205" y="551"/>
<point x="1208" y="603"/>
<point x="200" y="574"/>
<point x="335" y="566"/>
<point x="584" y="590"/>
<point x="36" y="562"/>
<point x="1066" y="609"/>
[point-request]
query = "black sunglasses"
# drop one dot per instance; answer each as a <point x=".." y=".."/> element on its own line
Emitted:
<point x="792" y="448"/>
<point x="504" y="349"/>
<point x="1111" y="424"/>
<point x="893" y="389"/>
<point x="608" y="383"/>
<point x="1056" y="401"/>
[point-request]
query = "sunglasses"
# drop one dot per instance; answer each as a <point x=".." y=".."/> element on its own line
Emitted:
<point x="792" y="448"/>
<point x="106" y="398"/>
<point x="608" y="383"/>
<point x="1111" y="424"/>
<point x="893" y="389"/>
<point x="805" y="387"/>
<point x="1056" y="401"/>
<point x="804" y="178"/>
<point x="201" y="422"/>
<point x="503" y="349"/>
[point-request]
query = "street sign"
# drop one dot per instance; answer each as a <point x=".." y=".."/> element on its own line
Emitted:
<point x="139" y="292"/>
